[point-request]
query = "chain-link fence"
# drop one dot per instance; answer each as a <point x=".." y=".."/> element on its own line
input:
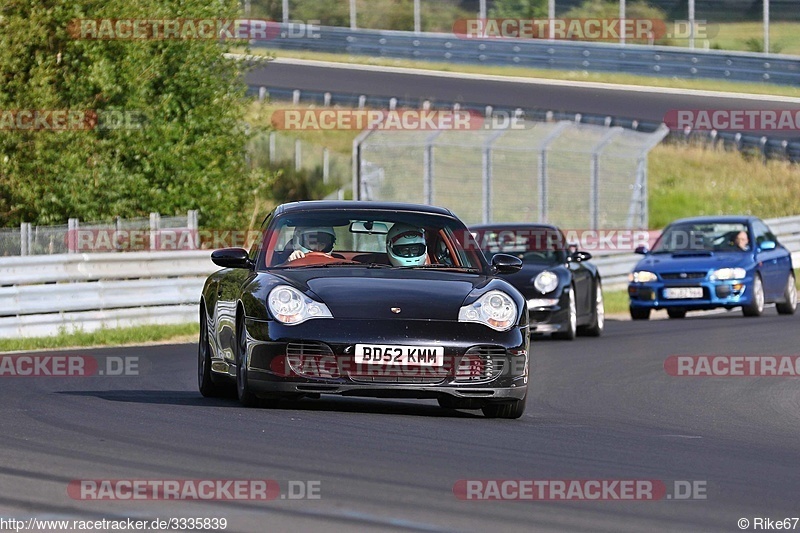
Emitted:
<point x="573" y="175"/>
<point x="274" y="148"/>
<point x="133" y="234"/>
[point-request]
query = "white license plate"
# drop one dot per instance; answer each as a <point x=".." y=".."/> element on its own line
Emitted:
<point x="384" y="354"/>
<point x="683" y="293"/>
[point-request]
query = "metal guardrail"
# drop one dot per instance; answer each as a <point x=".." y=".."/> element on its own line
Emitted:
<point x="42" y="295"/>
<point x="663" y="61"/>
<point x="769" y="148"/>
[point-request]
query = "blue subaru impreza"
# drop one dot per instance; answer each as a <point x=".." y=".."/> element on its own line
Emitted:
<point x="710" y="262"/>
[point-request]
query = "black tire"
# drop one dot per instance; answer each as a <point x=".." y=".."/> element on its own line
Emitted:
<point x="676" y="313"/>
<point x="512" y="409"/>
<point x="789" y="303"/>
<point x="640" y="313"/>
<point x="572" y="320"/>
<point x="756" y="306"/>
<point x="205" y="381"/>
<point x="595" y="329"/>
<point x="243" y="392"/>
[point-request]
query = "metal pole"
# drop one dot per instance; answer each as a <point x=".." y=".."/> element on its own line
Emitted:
<point x="285" y="11"/>
<point x="486" y="216"/>
<point x="298" y="154"/>
<point x="272" y="147"/>
<point x="766" y="26"/>
<point x="551" y="14"/>
<point x="542" y="176"/>
<point x="691" y="24"/>
<point x="155" y="225"/>
<point x="594" y="200"/>
<point x="417" y="17"/>
<point x="428" y="164"/>
<point x="482" y="12"/>
<point x="326" y="165"/>
<point x="621" y="21"/>
<point x="353" y="15"/>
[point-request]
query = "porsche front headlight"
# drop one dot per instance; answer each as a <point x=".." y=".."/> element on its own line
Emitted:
<point x="642" y="276"/>
<point x="495" y="309"/>
<point x="723" y="274"/>
<point x="290" y="306"/>
<point x="546" y="282"/>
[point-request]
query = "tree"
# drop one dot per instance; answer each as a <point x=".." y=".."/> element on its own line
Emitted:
<point x="185" y="147"/>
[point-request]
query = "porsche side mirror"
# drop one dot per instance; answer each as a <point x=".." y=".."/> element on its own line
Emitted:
<point x="767" y="245"/>
<point x="231" y="258"/>
<point x="506" y="264"/>
<point x="579" y="256"/>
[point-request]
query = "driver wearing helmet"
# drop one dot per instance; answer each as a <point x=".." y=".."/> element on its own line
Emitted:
<point x="312" y="239"/>
<point x="406" y="246"/>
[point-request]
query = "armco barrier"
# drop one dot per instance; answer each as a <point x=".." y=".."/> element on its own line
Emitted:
<point x="665" y="61"/>
<point x="40" y="295"/>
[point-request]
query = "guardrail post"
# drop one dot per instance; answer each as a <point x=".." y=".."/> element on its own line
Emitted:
<point x="155" y="225"/>
<point x="326" y="165"/>
<point x="72" y="235"/>
<point x="262" y="94"/>
<point x="296" y="97"/>
<point x="298" y="155"/>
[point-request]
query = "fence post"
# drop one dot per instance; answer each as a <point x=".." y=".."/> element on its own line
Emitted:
<point x="594" y="187"/>
<point x="24" y="238"/>
<point x="272" y="146"/>
<point x="427" y="163"/>
<point x="72" y="232"/>
<point x="486" y="173"/>
<point x="542" y="176"/>
<point x="326" y="165"/>
<point x="298" y="154"/>
<point x="117" y="232"/>
<point x="155" y="225"/>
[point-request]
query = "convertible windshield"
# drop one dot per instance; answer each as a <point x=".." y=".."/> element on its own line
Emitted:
<point x="369" y="238"/>
<point x="536" y="244"/>
<point x="704" y="237"/>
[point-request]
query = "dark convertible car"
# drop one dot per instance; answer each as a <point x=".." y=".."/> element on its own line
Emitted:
<point x="365" y="299"/>
<point x="563" y="290"/>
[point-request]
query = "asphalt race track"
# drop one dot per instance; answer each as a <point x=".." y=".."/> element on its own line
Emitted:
<point x="599" y="409"/>
<point x="642" y="104"/>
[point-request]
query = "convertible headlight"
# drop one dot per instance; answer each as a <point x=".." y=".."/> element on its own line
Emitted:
<point x="723" y="274"/>
<point x="290" y="306"/>
<point x="545" y="282"/>
<point x="495" y="309"/>
<point x="642" y="276"/>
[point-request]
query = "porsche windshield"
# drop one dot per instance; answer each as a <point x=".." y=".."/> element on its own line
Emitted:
<point x="532" y="244"/>
<point x="704" y="237"/>
<point x="372" y="238"/>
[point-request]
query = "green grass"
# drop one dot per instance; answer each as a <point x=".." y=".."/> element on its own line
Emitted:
<point x="521" y="72"/>
<point x="178" y="333"/>
<point x="784" y="37"/>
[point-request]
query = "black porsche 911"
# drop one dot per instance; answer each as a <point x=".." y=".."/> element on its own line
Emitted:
<point x="563" y="289"/>
<point x="365" y="299"/>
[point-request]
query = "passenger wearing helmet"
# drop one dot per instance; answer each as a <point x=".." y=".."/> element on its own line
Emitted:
<point x="406" y="246"/>
<point x="312" y="239"/>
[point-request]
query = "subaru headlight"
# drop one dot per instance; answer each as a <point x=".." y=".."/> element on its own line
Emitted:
<point x="722" y="274"/>
<point x="642" y="276"/>
<point x="546" y="282"/>
<point x="290" y="306"/>
<point x="495" y="309"/>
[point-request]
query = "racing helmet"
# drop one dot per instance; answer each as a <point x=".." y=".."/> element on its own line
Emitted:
<point x="314" y="239"/>
<point x="406" y="245"/>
